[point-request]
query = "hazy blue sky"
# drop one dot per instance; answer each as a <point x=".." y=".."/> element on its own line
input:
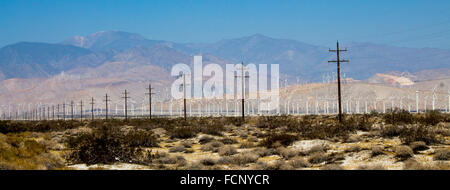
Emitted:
<point x="410" y="23"/>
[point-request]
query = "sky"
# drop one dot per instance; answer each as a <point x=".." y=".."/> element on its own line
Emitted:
<point x="405" y="23"/>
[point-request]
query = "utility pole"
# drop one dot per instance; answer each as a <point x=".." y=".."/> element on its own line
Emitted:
<point x="81" y="110"/>
<point x="243" y="89"/>
<point x="92" y="108"/>
<point x="57" y="110"/>
<point x="338" y="61"/>
<point x="71" y="109"/>
<point x="126" y="97"/>
<point x="184" y="97"/>
<point x="106" y="103"/>
<point x="150" y="100"/>
<point x="184" y="94"/>
<point x="64" y="110"/>
<point x="53" y="111"/>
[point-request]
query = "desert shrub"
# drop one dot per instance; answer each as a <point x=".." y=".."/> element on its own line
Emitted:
<point x="431" y="118"/>
<point x="37" y="126"/>
<point x="247" y="144"/>
<point x="317" y="158"/>
<point x="327" y="129"/>
<point x="108" y="145"/>
<point x="170" y="159"/>
<point x="403" y="152"/>
<point x="418" y="133"/>
<point x="140" y="138"/>
<point x="283" y="139"/>
<point x="317" y="148"/>
<point x="228" y="141"/>
<point x="273" y="122"/>
<point x="208" y="161"/>
<point x="335" y="156"/>
<point x="262" y="151"/>
<point x="252" y="139"/>
<point x="355" y="148"/>
<point x="371" y="167"/>
<point x="331" y="167"/>
<point x="260" y="166"/>
<point x="183" y="132"/>
<point x="442" y="154"/>
<point x="187" y="144"/>
<point x="287" y="152"/>
<point x="398" y="117"/>
<point x="17" y="152"/>
<point x="179" y="148"/>
<point x="213" y="129"/>
<point x="280" y="165"/>
<point x="358" y="122"/>
<point x="212" y="146"/>
<point x="299" y="162"/>
<point x="391" y="131"/>
<point x="233" y="121"/>
<point x="244" y="158"/>
<point x="377" y="150"/>
<point x="227" y="150"/>
<point x="418" y="146"/>
<point x="205" y="139"/>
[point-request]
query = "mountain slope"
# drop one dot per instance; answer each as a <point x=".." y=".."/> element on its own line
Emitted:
<point x="115" y="41"/>
<point x="30" y="60"/>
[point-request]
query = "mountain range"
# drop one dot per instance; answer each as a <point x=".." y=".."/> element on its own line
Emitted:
<point x="296" y="59"/>
<point x="111" y="61"/>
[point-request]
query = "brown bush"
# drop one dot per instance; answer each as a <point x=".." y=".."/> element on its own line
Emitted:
<point x="227" y="150"/>
<point x="442" y="154"/>
<point x="377" y="150"/>
<point x="183" y="132"/>
<point x="317" y="158"/>
<point x="403" y="152"/>
<point x="108" y="145"/>
<point x="283" y="139"/>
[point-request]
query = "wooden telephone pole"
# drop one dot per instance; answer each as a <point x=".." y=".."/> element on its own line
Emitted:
<point x="57" y="111"/>
<point x="106" y="103"/>
<point x="184" y="94"/>
<point x="92" y="108"/>
<point x="243" y="89"/>
<point x="64" y="111"/>
<point x="338" y="61"/>
<point x="126" y="97"/>
<point x="150" y="100"/>
<point x="71" y="110"/>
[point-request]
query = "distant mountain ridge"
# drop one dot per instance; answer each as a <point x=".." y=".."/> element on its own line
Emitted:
<point x="32" y="60"/>
<point x="305" y="61"/>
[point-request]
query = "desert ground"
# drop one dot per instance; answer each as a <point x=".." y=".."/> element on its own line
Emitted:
<point x="397" y="140"/>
